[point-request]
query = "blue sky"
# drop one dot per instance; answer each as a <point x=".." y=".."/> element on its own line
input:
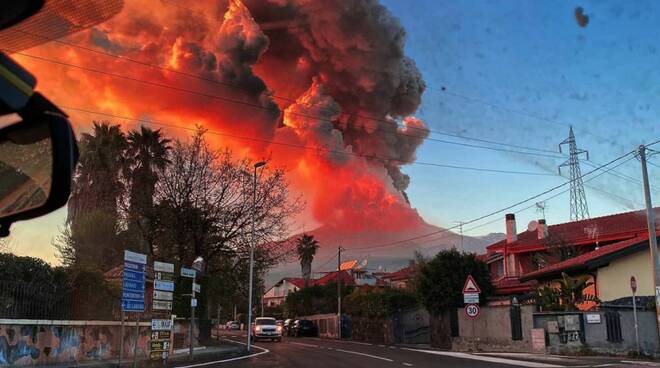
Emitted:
<point x="520" y="72"/>
<point x="517" y="72"/>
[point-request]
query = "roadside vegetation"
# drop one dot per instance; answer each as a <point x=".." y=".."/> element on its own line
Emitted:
<point x="173" y="199"/>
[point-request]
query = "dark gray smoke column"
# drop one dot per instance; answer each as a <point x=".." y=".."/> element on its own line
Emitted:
<point x="355" y="49"/>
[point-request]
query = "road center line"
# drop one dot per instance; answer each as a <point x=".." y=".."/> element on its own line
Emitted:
<point x="264" y="351"/>
<point x="363" y="354"/>
<point x="518" y="363"/>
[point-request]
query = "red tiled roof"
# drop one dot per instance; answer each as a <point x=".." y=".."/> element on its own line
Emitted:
<point x="606" y="228"/>
<point x="402" y="274"/>
<point x="512" y="285"/>
<point x="581" y="261"/>
<point x="346" y="278"/>
<point x="299" y="282"/>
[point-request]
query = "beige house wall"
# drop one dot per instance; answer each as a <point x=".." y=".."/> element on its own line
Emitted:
<point x="613" y="280"/>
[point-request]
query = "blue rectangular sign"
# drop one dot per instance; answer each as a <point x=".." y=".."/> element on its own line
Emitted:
<point x="133" y="286"/>
<point x="133" y="275"/>
<point x="128" y="265"/>
<point x="163" y="285"/>
<point x="132" y="305"/>
<point x="135" y="295"/>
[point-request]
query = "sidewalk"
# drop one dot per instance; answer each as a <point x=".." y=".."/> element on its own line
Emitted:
<point x="202" y="354"/>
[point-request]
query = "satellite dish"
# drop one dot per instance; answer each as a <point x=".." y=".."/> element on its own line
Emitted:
<point x="533" y="225"/>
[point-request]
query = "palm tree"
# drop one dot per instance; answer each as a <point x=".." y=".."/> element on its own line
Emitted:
<point x="146" y="154"/>
<point x="97" y="184"/>
<point x="306" y="247"/>
<point x="93" y="211"/>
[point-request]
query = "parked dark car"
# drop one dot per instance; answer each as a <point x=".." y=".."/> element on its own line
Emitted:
<point x="288" y="327"/>
<point x="304" y="327"/>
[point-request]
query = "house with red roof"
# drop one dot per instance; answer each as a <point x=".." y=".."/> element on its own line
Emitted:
<point x="331" y="277"/>
<point x="609" y="249"/>
<point x="401" y="279"/>
<point x="279" y="291"/>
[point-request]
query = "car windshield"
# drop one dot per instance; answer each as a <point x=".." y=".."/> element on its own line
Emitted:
<point x="264" y="321"/>
<point x="457" y="177"/>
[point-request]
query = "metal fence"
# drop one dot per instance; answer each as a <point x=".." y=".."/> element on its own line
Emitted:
<point x="21" y="300"/>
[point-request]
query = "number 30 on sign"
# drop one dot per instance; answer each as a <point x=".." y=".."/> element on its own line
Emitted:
<point x="472" y="310"/>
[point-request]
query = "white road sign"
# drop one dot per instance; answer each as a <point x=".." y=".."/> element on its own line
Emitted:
<point x="197" y="287"/>
<point x="161" y="324"/>
<point x="471" y="298"/>
<point x="135" y="257"/>
<point x="162" y="305"/>
<point x="163" y="295"/>
<point x="188" y="272"/>
<point x="163" y="267"/>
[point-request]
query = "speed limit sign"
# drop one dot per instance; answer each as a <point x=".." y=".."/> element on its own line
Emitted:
<point x="472" y="310"/>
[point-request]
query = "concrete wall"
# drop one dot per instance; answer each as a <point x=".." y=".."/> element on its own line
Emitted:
<point x="596" y="334"/>
<point x="584" y="337"/>
<point x="412" y="327"/>
<point x="491" y="330"/>
<point x="42" y="342"/>
<point x="613" y="281"/>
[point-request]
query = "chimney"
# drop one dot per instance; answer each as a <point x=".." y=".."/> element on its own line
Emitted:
<point x="542" y="229"/>
<point x="511" y="232"/>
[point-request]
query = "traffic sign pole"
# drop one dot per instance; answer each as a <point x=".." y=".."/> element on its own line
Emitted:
<point x="121" y="338"/>
<point x="471" y="293"/>
<point x="163" y="297"/>
<point x="137" y="336"/>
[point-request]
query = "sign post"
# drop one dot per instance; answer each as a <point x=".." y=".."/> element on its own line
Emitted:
<point x="633" y="287"/>
<point x="132" y="299"/>
<point x="471" y="293"/>
<point x="161" y="328"/>
<point x="190" y="273"/>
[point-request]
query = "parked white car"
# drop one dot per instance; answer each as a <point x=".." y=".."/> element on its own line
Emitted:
<point x="266" y="328"/>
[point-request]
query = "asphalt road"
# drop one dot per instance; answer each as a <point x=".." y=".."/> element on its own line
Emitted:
<point x="321" y="353"/>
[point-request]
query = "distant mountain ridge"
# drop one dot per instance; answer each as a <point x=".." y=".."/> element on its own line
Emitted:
<point x="387" y="251"/>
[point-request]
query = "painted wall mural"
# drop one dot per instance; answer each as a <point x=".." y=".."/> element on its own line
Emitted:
<point x="22" y="345"/>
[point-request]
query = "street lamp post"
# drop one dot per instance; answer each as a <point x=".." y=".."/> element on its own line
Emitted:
<point x="198" y="265"/>
<point x="252" y="244"/>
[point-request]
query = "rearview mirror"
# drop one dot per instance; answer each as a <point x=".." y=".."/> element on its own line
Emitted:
<point x="38" y="154"/>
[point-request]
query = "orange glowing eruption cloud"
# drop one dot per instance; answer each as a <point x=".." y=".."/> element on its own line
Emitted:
<point x="322" y="87"/>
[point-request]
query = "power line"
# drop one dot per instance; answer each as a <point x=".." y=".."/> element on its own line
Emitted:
<point x="292" y="100"/>
<point x="622" y="176"/>
<point x="444" y="233"/>
<point x="289" y="99"/>
<point x="317" y="149"/>
<point x="253" y="105"/>
<point x="497" y="211"/>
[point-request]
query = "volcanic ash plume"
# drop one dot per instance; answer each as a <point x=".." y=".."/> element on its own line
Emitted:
<point x="327" y="83"/>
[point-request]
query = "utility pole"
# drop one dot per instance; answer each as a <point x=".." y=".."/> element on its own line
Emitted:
<point x="460" y="229"/>
<point x="193" y="303"/>
<point x="339" y="293"/>
<point x="653" y="241"/>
